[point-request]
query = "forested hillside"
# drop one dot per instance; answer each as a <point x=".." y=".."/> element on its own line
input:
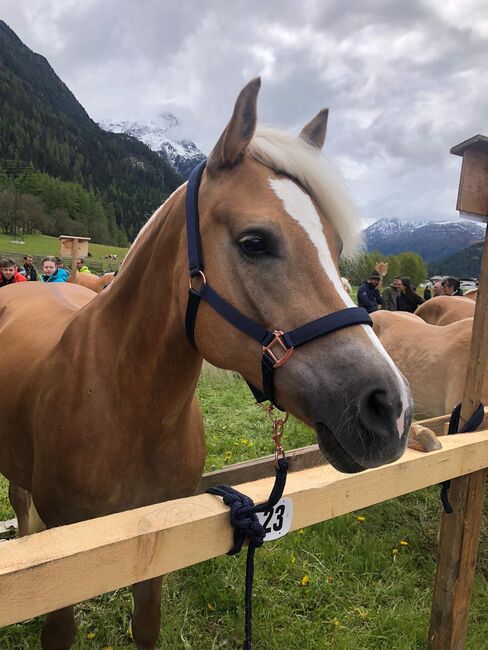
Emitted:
<point x="43" y="124"/>
<point x="465" y="264"/>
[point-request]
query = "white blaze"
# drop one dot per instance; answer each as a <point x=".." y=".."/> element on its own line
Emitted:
<point x="300" y="207"/>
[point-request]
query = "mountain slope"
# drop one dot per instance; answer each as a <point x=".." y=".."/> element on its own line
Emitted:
<point x="164" y="135"/>
<point x="431" y="240"/>
<point x="42" y="122"/>
<point x="463" y="264"/>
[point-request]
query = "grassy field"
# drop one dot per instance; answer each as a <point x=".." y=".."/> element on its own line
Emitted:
<point x="362" y="581"/>
<point x="41" y="245"/>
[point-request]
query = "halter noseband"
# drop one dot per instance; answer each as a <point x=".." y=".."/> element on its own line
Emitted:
<point x="277" y="346"/>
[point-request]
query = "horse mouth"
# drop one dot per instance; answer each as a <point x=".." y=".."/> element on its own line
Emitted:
<point x="334" y="452"/>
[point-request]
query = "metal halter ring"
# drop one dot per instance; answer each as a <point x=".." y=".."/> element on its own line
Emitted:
<point x="202" y="276"/>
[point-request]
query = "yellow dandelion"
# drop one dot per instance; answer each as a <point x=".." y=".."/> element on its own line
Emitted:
<point x="301" y="531"/>
<point x="361" y="518"/>
<point x="244" y="441"/>
<point x="403" y="542"/>
<point x="304" y="581"/>
<point x="362" y="613"/>
<point x="91" y="635"/>
<point x="335" y="622"/>
<point x="394" y="551"/>
<point x="108" y="647"/>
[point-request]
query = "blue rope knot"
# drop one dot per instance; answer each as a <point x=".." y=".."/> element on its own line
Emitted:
<point x="246" y="524"/>
<point x="242" y="517"/>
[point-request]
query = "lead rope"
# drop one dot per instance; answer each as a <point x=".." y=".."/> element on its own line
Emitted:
<point x="471" y="425"/>
<point x="244" y="520"/>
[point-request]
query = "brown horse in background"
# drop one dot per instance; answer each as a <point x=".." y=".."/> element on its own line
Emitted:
<point x="94" y="282"/>
<point x="103" y="417"/>
<point x="433" y="358"/>
<point x="444" y="310"/>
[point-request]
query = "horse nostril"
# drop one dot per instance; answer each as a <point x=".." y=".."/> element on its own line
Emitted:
<point x="378" y="404"/>
<point x="377" y="410"/>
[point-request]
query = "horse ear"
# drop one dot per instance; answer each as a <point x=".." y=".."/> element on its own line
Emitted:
<point x="314" y="132"/>
<point x="239" y="131"/>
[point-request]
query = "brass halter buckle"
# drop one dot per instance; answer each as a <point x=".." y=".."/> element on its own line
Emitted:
<point x="278" y="427"/>
<point x="277" y="340"/>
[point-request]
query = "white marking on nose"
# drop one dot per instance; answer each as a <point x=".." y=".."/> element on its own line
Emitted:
<point x="300" y="207"/>
<point x="402" y="385"/>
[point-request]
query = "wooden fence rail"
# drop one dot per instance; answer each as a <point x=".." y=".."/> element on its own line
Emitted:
<point x="70" y="564"/>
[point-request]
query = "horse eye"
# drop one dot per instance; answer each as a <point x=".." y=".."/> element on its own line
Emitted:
<point x="253" y="245"/>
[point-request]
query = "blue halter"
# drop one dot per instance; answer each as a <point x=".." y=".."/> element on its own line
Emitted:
<point x="277" y="346"/>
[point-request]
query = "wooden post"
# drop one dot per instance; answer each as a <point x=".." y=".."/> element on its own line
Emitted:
<point x="459" y="532"/>
<point x="76" y="247"/>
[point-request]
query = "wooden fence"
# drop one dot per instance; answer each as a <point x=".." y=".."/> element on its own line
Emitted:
<point x="69" y="564"/>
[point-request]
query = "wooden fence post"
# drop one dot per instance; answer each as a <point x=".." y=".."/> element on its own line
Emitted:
<point x="459" y="531"/>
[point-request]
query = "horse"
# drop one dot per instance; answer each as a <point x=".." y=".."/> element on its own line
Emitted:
<point x="94" y="282"/>
<point x="433" y="358"/>
<point x="104" y="417"/>
<point x="444" y="310"/>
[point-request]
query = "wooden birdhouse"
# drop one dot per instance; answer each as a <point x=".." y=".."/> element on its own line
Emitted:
<point x="472" y="200"/>
<point x="80" y="244"/>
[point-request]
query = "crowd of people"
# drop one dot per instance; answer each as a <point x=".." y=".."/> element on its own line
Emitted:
<point x="401" y="295"/>
<point x="52" y="270"/>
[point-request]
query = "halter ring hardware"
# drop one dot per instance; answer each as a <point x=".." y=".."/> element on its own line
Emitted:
<point x="278" y="361"/>
<point x="202" y="276"/>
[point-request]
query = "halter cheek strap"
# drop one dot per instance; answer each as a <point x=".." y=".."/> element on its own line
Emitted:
<point x="277" y="346"/>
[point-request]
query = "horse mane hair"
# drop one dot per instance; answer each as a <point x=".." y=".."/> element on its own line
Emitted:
<point x="303" y="162"/>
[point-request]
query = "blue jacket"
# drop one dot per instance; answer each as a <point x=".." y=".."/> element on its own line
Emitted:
<point x="59" y="275"/>
<point x="369" y="297"/>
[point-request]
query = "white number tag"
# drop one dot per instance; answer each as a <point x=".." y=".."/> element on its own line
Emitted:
<point x="277" y="520"/>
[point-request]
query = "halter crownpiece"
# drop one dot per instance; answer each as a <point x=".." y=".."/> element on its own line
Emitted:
<point x="277" y="346"/>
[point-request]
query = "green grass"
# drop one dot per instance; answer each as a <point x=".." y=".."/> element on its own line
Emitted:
<point x="359" y="594"/>
<point x="41" y="245"/>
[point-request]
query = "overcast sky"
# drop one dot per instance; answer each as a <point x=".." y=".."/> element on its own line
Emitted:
<point x="404" y="80"/>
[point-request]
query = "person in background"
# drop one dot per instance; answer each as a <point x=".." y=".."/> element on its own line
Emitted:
<point x="452" y="287"/>
<point x="80" y="266"/>
<point x="390" y="295"/>
<point x="50" y="272"/>
<point x="28" y="270"/>
<point x="428" y="291"/>
<point x="9" y="273"/>
<point x="437" y="289"/>
<point x="409" y="299"/>
<point x="368" y="293"/>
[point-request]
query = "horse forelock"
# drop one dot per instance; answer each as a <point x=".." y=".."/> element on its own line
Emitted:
<point x="296" y="158"/>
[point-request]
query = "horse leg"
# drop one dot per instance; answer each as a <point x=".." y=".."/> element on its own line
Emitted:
<point x="58" y="631"/>
<point x="20" y="501"/>
<point x="146" y="617"/>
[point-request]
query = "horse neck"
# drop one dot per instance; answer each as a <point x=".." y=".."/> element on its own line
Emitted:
<point x="139" y="319"/>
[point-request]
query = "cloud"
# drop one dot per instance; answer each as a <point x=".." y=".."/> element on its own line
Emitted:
<point x="404" y="81"/>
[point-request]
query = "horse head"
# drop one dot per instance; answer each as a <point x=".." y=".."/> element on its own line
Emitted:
<point x="273" y="221"/>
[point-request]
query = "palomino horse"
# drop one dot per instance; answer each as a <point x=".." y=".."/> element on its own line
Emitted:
<point x="434" y="359"/>
<point x="444" y="310"/>
<point x="103" y="416"/>
<point x="94" y="282"/>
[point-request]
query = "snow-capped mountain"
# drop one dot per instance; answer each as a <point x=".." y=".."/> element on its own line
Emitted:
<point x="163" y="134"/>
<point x="432" y="240"/>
